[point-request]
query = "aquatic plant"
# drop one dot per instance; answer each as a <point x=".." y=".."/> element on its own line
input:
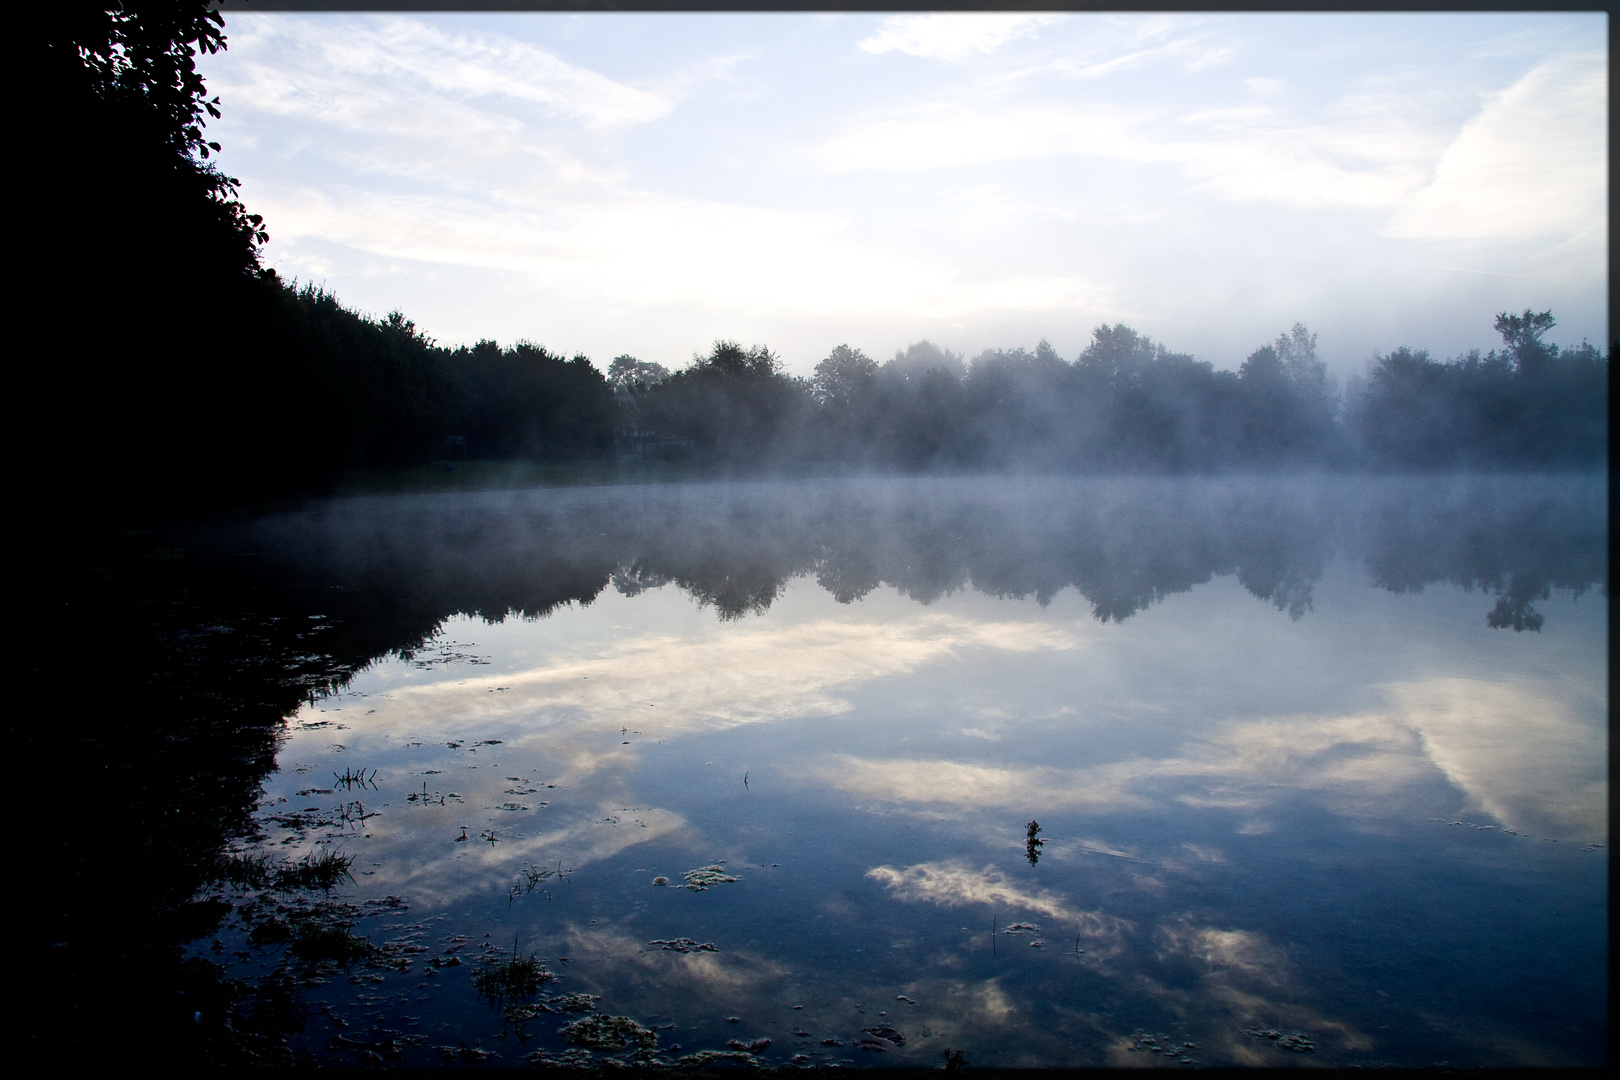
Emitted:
<point x="317" y="943"/>
<point x="519" y="977"/>
<point x="244" y="871"/>
<point x="1032" y="845"/>
<point x="351" y="778"/>
<point x="322" y="870"/>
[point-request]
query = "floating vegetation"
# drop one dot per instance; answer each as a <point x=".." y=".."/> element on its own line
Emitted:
<point x="533" y="875"/>
<point x="574" y="1002"/>
<point x="351" y="778"/>
<point x="752" y="1047"/>
<point x="244" y="871"/>
<point x="1032" y="845"/>
<point x="317" y="943"/>
<point x="1297" y="1041"/>
<point x="684" y="945"/>
<point x="430" y="798"/>
<point x="519" y="977"/>
<point x="575" y="1058"/>
<point x="1021" y="928"/>
<point x="270" y="932"/>
<point x="1162" y="1044"/>
<point x="354" y="814"/>
<point x="700" y="879"/>
<point x="704" y="1058"/>
<point x="519" y="1013"/>
<point x="887" y="1034"/>
<point x="323" y="869"/>
<point x="599" y="1032"/>
<point x="464" y="1054"/>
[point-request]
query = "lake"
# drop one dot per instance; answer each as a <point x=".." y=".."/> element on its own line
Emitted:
<point x="1031" y="772"/>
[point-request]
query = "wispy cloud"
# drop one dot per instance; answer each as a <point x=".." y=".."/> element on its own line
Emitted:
<point x="952" y="36"/>
<point x="953" y="883"/>
<point x="359" y="74"/>
<point x="669" y="250"/>
<point x="1531" y="162"/>
<point x="708" y="681"/>
<point x="1534" y="162"/>
<point x="1519" y="753"/>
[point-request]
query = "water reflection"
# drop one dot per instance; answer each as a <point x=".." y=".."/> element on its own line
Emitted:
<point x="874" y="712"/>
<point x="1124" y="545"/>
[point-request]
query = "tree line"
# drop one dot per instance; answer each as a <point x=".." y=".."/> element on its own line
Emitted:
<point x="182" y="370"/>
<point x="1127" y="403"/>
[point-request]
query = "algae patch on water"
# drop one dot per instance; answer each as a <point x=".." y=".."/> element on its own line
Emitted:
<point x="685" y="945"/>
<point x="599" y="1032"/>
<point x="700" y="879"/>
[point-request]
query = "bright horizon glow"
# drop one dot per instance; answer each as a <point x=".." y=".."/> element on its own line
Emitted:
<point x="649" y="183"/>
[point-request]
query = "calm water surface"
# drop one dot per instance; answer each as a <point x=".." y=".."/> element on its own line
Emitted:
<point x="748" y="763"/>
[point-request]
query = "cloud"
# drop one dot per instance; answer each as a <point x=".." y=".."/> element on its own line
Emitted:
<point x="737" y="675"/>
<point x="952" y="36"/>
<point x="1242" y="951"/>
<point x="1522" y="754"/>
<point x="1525" y="758"/>
<point x="1249" y="153"/>
<point x="585" y="834"/>
<point x="403" y="76"/>
<point x="666" y="250"/>
<point x="1533" y="163"/>
<point x="954" y="884"/>
<point x="1360" y="761"/>
<point x="952" y="133"/>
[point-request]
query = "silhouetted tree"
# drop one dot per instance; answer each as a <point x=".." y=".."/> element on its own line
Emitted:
<point x="734" y="404"/>
<point x="1528" y="405"/>
<point x="526" y="402"/>
<point x="1286" y="402"/>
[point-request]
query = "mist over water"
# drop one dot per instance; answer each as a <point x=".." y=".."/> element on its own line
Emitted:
<point x="1122" y="543"/>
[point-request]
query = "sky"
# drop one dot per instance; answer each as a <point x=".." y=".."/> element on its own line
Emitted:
<point x="647" y="184"/>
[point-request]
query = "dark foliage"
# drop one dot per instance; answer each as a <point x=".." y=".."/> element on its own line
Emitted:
<point x="734" y="403"/>
<point x="526" y="402"/>
<point x="184" y="376"/>
<point x="1529" y="404"/>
